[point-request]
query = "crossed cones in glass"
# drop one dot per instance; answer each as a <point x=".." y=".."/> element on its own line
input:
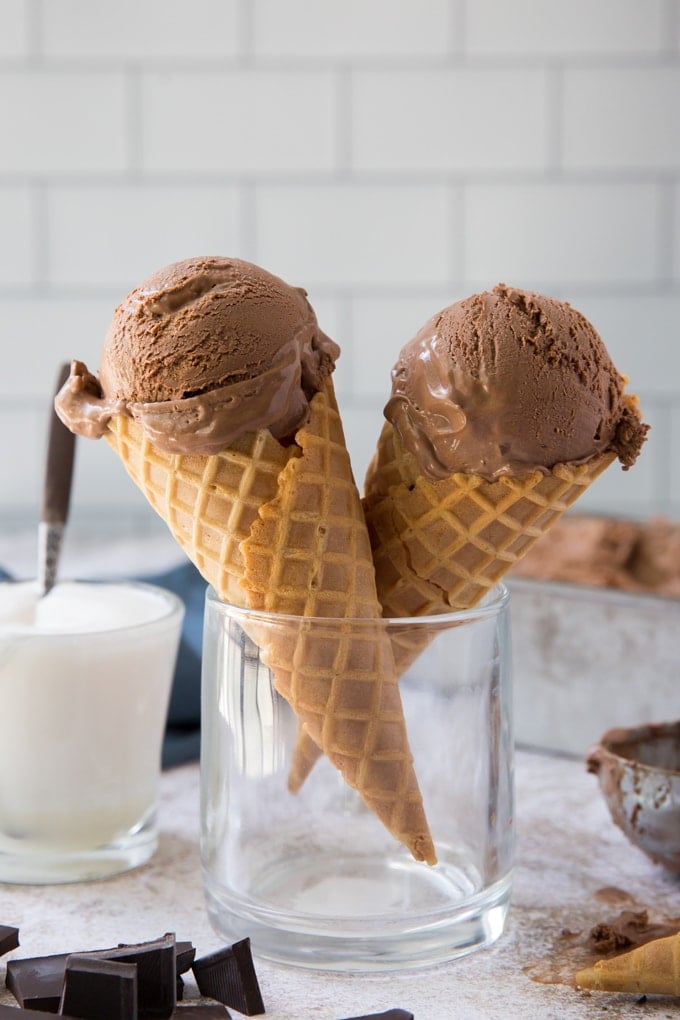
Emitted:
<point x="280" y="528"/>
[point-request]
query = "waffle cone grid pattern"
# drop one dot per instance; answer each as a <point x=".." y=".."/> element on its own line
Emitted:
<point x="208" y="502"/>
<point x="308" y="554"/>
<point x="440" y="545"/>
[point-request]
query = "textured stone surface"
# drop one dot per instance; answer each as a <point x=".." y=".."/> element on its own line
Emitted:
<point x="574" y="869"/>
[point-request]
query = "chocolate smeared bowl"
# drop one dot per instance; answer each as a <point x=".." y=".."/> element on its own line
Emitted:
<point x="639" y="774"/>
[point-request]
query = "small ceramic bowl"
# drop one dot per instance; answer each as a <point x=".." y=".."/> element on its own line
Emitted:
<point x="639" y="774"/>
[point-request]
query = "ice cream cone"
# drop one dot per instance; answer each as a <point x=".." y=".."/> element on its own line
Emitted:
<point x="442" y="544"/>
<point x="306" y="753"/>
<point x="650" y="969"/>
<point x="208" y="502"/>
<point x="308" y="555"/>
<point x="504" y="408"/>
<point x="281" y="528"/>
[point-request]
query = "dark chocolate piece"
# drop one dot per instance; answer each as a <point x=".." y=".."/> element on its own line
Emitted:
<point x="156" y="974"/>
<point x="36" y="982"/>
<point x="185" y="954"/>
<point x="202" y="1011"/>
<point x="228" y="975"/>
<point x="99" y="989"/>
<point x="9" y="938"/>
<point x="12" y="1013"/>
<point x="389" y="1014"/>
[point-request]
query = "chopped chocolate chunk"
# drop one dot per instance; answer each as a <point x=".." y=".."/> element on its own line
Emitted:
<point x="184" y="951"/>
<point x="36" y="982"/>
<point x="185" y="954"/>
<point x="389" y="1014"/>
<point x="156" y="974"/>
<point x="99" y="989"/>
<point x="9" y="938"/>
<point x="12" y="1013"/>
<point x="228" y="975"/>
<point x="202" y="1011"/>
<point x="630" y="928"/>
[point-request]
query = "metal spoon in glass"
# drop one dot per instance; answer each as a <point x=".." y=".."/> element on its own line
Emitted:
<point x="56" y="494"/>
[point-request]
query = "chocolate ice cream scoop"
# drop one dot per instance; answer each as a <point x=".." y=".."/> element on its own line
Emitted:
<point x="201" y="352"/>
<point x="508" y="381"/>
<point x="608" y="552"/>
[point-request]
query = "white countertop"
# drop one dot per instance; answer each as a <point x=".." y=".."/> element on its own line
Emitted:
<point x="574" y="869"/>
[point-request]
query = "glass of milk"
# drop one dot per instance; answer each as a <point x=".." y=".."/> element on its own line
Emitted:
<point x="85" y="679"/>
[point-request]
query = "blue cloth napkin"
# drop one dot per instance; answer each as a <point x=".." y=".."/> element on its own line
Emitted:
<point x="183" y="730"/>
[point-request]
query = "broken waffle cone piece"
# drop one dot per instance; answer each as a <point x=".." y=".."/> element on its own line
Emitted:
<point x="281" y="528"/>
<point x="650" y="969"/>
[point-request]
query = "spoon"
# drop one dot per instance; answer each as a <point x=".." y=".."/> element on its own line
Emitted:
<point x="56" y="493"/>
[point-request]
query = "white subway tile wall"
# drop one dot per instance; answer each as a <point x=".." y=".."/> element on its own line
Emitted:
<point x="104" y="235"/>
<point x="391" y="156"/>
<point x="17" y="238"/>
<point x="144" y="30"/>
<point x="14" y="34"/>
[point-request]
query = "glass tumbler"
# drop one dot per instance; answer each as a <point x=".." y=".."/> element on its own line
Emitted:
<point x="85" y="679"/>
<point x="313" y="877"/>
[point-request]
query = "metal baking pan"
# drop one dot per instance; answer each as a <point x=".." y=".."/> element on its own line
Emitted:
<point x="586" y="659"/>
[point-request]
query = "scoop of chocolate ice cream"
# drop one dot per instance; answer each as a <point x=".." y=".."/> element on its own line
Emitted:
<point x="508" y="381"/>
<point x="202" y="351"/>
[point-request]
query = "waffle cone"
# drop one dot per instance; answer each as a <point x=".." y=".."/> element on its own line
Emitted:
<point x="441" y="545"/>
<point x="651" y="969"/>
<point x="209" y="503"/>
<point x="308" y="555"/>
<point x="281" y="528"/>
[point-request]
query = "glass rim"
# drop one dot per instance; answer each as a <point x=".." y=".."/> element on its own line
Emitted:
<point x="485" y="610"/>
<point x="174" y="609"/>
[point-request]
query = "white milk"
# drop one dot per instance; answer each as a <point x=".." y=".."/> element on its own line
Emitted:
<point x="85" y="678"/>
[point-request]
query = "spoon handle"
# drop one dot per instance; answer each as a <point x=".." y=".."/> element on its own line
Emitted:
<point x="56" y="493"/>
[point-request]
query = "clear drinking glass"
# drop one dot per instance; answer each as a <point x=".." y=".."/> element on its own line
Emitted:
<point x="84" y="705"/>
<point x="314" y="878"/>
